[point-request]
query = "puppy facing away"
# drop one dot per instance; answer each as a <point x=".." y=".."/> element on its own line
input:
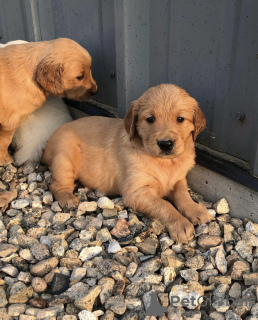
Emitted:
<point x="30" y="72"/>
<point x="144" y="157"/>
<point x="30" y="138"/>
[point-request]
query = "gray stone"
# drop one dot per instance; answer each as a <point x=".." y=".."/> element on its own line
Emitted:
<point x="3" y="299"/>
<point x="116" y="304"/>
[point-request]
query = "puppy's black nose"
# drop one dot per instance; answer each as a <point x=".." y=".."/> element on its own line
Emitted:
<point x="94" y="92"/>
<point x="165" y="145"/>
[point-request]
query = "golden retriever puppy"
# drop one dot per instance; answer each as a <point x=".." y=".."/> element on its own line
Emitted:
<point x="144" y="157"/>
<point x="30" y="138"/>
<point x="30" y="72"/>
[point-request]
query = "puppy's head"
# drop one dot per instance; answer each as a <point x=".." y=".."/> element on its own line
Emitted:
<point x="165" y="117"/>
<point x="65" y="70"/>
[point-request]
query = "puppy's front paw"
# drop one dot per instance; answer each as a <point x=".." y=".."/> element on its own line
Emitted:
<point x="181" y="230"/>
<point x="68" y="200"/>
<point x="5" y="159"/>
<point x="198" y="214"/>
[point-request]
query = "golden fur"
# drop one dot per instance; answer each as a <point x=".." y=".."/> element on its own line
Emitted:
<point x="30" y="72"/>
<point x="122" y="157"/>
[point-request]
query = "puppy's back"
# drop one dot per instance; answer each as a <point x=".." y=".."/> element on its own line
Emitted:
<point x="88" y="132"/>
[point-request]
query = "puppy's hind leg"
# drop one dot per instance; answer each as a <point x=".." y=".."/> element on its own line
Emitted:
<point x="62" y="185"/>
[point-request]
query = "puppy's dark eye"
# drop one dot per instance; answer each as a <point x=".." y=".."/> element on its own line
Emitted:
<point x="80" y="77"/>
<point x="180" y="119"/>
<point x="151" y="119"/>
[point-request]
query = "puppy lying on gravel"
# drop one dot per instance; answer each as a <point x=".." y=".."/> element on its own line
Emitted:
<point x="144" y="157"/>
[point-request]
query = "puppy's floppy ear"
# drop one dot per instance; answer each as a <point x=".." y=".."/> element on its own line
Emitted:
<point x="49" y="75"/>
<point x="131" y="118"/>
<point x="199" y="122"/>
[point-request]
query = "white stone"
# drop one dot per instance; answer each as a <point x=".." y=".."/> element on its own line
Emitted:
<point x="86" y="315"/>
<point x="20" y="203"/>
<point x="105" y="203"/>
<point x="87" y="206"/>
<point x="114" y="246"/>
<point x="89" y="253"/>
<point x="221" y="206"/>
<point x="212" y="212"/>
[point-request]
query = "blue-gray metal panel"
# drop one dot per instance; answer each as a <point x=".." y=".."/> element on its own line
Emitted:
<point x="91" y="24"/>
<point x="12" y="21"/>
<point x="132" y="50"/>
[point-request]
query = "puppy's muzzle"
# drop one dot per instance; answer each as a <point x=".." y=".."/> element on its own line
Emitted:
<point x="165" y="145"/>
<point x="94" y="92"/>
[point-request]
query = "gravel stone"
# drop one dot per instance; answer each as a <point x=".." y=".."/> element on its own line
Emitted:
<point x="196" y="262"/>
<point x="189" y="275"/>
<point x="40" y="251"/>
<point x="207" y="241"/>
<point x="86" y="301"/>
<point x="7" y="249"/>
<point x="235" y="291"/>
<point x="114" y="246"/>
<point x="20" y="203"/>
<point x="86" y="315"/>
<point x="252" y="227"/>
<point x="14" y="310"/>
<point x="251" y="279"/>
<point x="105" y="203"/>
<point x="89" y="253"/>
<point x="39" y="285"/>
<point x="244" y="250"/>
<point x="38" y="303"/>
<point x="221" y="261"/>
<point x="60" y="283"/>
<point x="43" y="267"/>
<point x="238" y="269"/>
<point x="116" y="304"/>
<point x="121" y="229"/>
<point x="169" y="275"/>
<point x="148" y="246"/>
<point x="20" y="293"/>
<point x="88" y="206"/>
<point x="107" y="285"/>
<point x="10" y="270"/>
<point x="3" y="299"/>
<point x="221" y="206"/>
<point x="103" y="235"/>
<point x="192" y="290"/>
<point x="78" y="274"/>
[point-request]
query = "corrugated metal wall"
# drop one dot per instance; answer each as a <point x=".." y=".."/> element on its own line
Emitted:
<point x="208" y="47"/>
